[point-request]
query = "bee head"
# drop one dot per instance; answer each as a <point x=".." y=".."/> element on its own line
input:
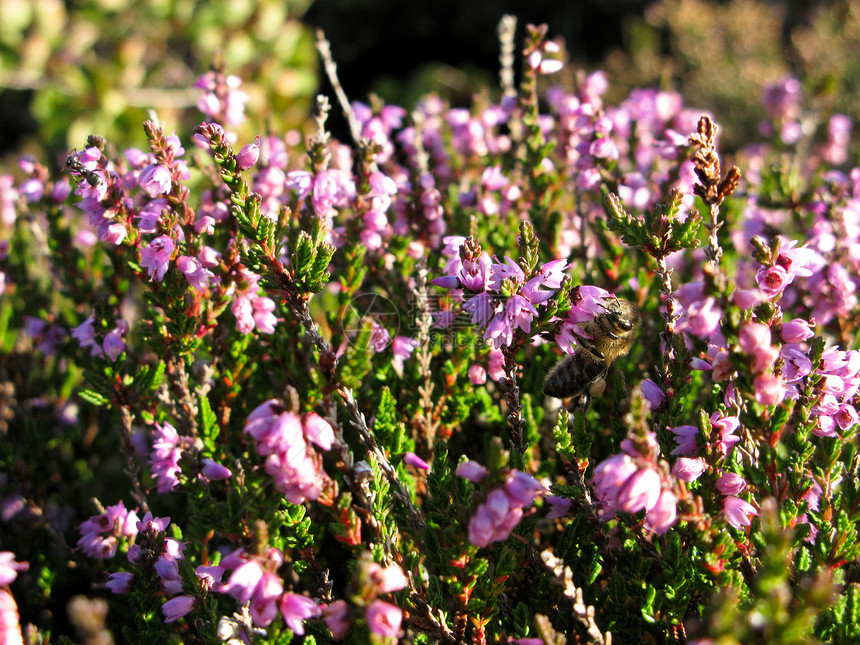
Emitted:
<point x="623" y="314"/>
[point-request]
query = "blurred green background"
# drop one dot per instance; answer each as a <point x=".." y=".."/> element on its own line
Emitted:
<point x="71" y="68"/>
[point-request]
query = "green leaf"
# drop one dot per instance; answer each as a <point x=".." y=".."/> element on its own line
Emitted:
<point x="208" y="421"/>
<point x="93" y="397"/>
<point x="303" y="255"/>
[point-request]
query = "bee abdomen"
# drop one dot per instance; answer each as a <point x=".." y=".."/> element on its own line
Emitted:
<point x="572" y="375"/>
<point x="563" y="380"/>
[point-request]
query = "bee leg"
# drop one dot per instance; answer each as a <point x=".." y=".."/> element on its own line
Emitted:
<point x="591" y="348"/>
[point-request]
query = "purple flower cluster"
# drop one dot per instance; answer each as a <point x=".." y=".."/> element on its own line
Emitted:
<point x="111" y="346"/>
<point x="495" y="518"/>
<point x="501" y="299"/>
<point x="284" y="439"/>
<point x="631" y="482"/>
<point x="101" y="533"/>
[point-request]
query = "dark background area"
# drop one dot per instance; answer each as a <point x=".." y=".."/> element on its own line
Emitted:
<point x="375" y="43"/>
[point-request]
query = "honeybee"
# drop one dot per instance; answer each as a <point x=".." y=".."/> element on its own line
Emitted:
<point x="582" y="375"/>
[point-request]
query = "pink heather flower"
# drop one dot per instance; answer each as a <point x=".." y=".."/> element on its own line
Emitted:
<point x="387" y="579"/>
<point x="493" y="178"/>
<point x="331" y="188"/>
<point x="604" y="148"/>
<point x="748" y="298"/>
<point x="149" y="214"/>
<point x="796" y="331"/>
<point x="97" y="546"/>
<point x="471" y="470"/>
<point x="687" y="469"/>
<point x="152" y="524"/>
<point x="155" y="258"/>
<point x="379" y="337"/>
<point x="662" y="515"/>
<point x="113" y="345"/>
<point x="796" y="260"/>
<point x="496" y="366"/>
<point x="846" y="417"/>
<point x="411" y="459"/>
<point x="522" y="488"/>
<point x="797" y="364"/>
<point x="621" y="484"/>
<point x="264" y="604"/>
<point x="754" y="339"/>
<point x="383" y="618"/>
<point x="280" y="437"/>
<point x="769" y="389"/>
<point x="738" y="512"/>
<point x="518" y="313"/>
<point x="507" y="269"/>
<point x="165" y="456"/>
<point x="725" y="427"/>
<point x="214" y="470"/>
<point x="176" y="608"/>
<point x="85" y="334"/>
<point x="477" y="374"/>
<point x="475" y="275"/>
<point x="560" y="506"/>
<point x="838" y="138"/>
<point x="825" y="426"/>
<point x="402" y="348"/>
<point x="174" y="549"/>
<point x="336" y="617"/>
<point x="253" y="311"/>
<point x="209" y="576"/>
<point x="318" y="430"/>
<point x="167" y="569"/>
<point x="482" y="307"/>
<point x="652" y="393"/>
<point x="248" y="156"/>
<point x="532" y="291"/>
<point x="494" y="520"/>
<point x="640" y="491"/>
<point x="9" y="568"/>
<point x="8" y="197"/>
<point x="119" y="582"/>
<point x="197" y="275"/>
<point x="701" y="319"/>
<point x="229" y="107"/>
<point x="100" y="532"/>
<point x="731" y="484"/>
<point x="686" y="438"/>
<point x="155" y="180"/>
<point x="772" y="280"/>
<point x="699" y="364"/>
<point x="609" y="477"/>
<point x="244" y="580"/>
<point x="263" y="315"/>
<point x="295" y="609"/>
<point x="553" y="273"/>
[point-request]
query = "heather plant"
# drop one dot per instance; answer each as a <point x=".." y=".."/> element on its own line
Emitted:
<point x="260" y="386"/>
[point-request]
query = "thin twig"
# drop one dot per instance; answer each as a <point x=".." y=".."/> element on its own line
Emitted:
<point x="132" y="469"/>
<point x="507" y="34"/>
<point x="324" y="49"/>
<point x="583" y="613"/>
